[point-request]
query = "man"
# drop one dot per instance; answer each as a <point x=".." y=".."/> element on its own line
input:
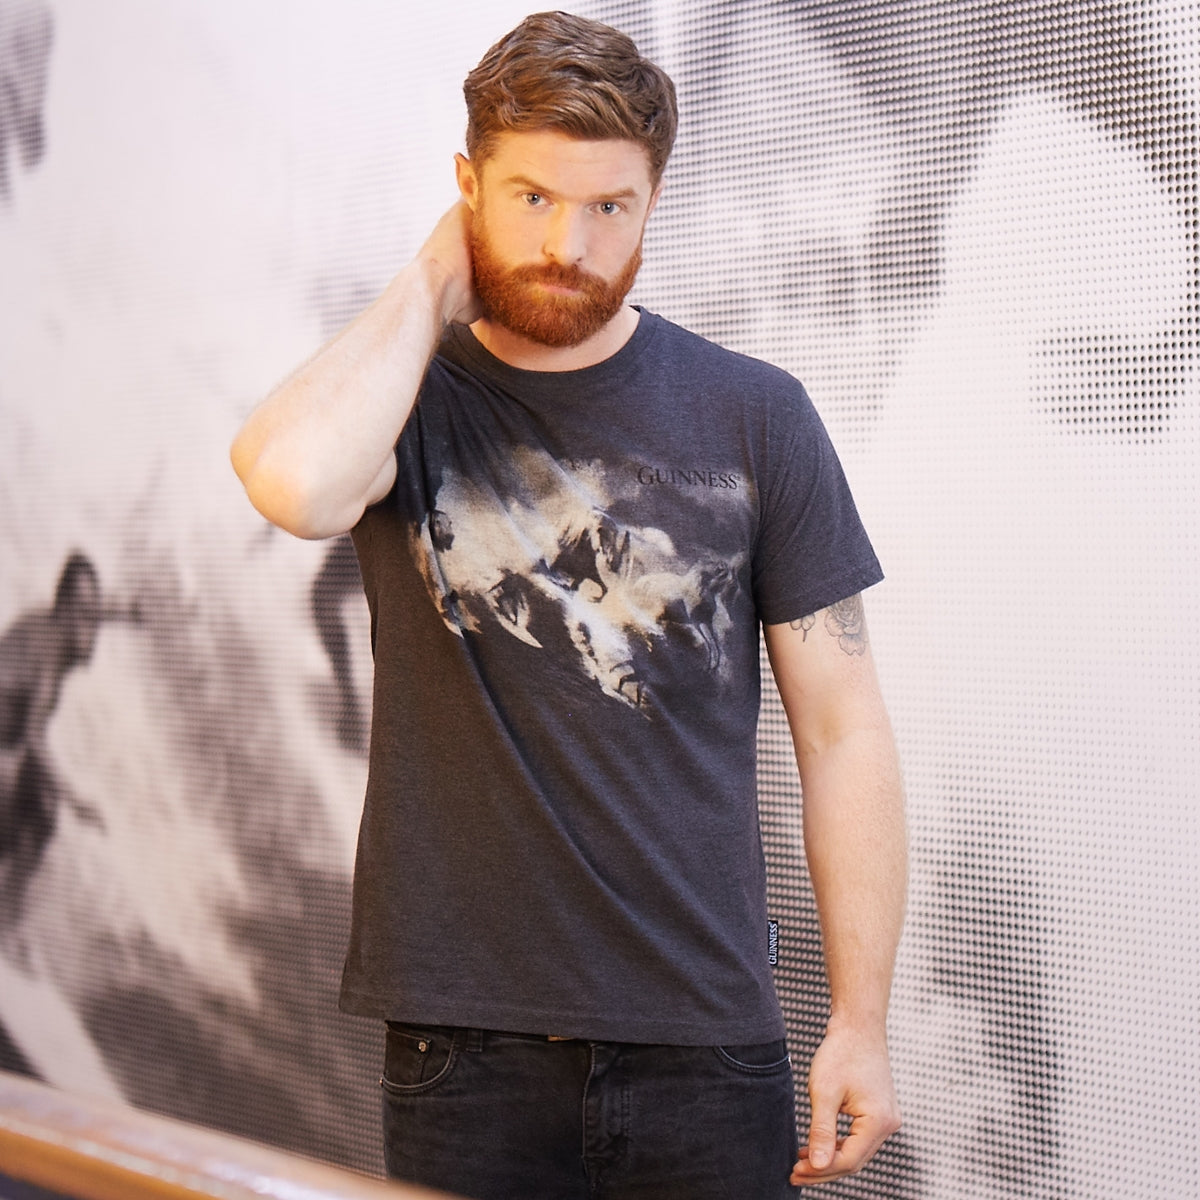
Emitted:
<point x="572" y="518"/>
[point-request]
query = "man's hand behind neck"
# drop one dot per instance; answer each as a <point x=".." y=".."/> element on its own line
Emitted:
<point x="446" y="254"/>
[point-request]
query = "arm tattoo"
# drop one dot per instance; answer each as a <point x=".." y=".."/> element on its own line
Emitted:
<point x="804" y="624"/>
<point x="846" y="622"/>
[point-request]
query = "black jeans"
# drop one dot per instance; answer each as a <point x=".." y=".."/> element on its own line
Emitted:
<point x="501" y="1116"/>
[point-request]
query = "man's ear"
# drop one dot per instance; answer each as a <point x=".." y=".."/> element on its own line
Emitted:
<point x="468" y="180"/>
<point x="658" y="191"/>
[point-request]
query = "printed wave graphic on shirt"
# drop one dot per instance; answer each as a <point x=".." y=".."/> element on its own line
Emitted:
<point x="532" y="548"/>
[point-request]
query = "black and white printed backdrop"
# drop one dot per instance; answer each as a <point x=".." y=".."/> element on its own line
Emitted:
<point x="972" y="229"/>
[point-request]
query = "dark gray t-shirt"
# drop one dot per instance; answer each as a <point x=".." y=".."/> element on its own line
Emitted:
<point x="560" y="833"/>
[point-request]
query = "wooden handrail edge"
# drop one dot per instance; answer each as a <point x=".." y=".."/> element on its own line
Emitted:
<point x="94" y="1149"/>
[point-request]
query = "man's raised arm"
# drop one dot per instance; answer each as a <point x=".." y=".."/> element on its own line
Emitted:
<point x="319" y="449"/>
<point x="857" y="855"/>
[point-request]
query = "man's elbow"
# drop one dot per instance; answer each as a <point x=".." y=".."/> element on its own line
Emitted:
<point x="284" y="500"/>
<point x="853" y="731"/>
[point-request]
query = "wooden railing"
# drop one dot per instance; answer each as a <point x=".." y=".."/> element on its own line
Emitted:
<point x="98" y="1150"/>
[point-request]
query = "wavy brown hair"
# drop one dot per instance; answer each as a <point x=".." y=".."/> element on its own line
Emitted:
<point x="567" y="73"/>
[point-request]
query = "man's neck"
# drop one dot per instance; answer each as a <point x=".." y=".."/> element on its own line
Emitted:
<point x="526" y="355"/>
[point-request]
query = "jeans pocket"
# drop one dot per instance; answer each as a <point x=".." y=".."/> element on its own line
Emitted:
<point x="762" y="1058"/>
<point x="416" y="1059"/>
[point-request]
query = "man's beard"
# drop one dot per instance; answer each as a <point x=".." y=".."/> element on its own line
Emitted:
<point x="510" y="295"/>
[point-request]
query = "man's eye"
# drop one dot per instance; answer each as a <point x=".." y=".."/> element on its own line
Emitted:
<point x="608" y="207"/>
<point x="533" y="198"/>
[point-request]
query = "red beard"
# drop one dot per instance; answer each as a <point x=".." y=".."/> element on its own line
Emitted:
<point x="512" y="298"/>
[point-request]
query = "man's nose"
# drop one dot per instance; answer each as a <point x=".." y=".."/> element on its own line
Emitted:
<point x="565" y="241"/>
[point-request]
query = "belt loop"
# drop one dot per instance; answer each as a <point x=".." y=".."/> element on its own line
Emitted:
<point x="474" y="1040"/>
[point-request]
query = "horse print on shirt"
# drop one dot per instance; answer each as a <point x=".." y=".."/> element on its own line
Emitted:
<point x="533" y="547"/>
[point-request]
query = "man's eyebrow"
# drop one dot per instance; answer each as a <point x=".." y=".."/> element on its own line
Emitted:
<point x="523" y="181"/>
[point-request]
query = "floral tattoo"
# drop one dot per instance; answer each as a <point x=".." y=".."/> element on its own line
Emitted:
<point x="845" y="621"/>
<point x="804" y="624"/>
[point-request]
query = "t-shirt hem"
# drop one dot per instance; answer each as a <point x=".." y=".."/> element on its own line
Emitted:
<point x="585" y="1026"/>
<point x="864" y="576"/>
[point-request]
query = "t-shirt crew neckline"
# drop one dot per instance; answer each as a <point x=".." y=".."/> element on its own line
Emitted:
<point x="606" y="371"/>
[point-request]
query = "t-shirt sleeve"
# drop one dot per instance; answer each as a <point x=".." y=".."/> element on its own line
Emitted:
<point x="812" y="549"/>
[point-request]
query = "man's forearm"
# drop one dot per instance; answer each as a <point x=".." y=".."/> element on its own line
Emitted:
<point x="858" y="860"/>
<point x="856" y="845"/>
<point x="319" y="449"/>
<point x="312" y="454"/>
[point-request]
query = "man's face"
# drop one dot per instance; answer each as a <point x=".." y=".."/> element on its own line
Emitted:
<point x="557" y="232"/>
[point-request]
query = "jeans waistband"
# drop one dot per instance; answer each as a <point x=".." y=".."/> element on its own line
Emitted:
<point x="474" y="1039"/>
